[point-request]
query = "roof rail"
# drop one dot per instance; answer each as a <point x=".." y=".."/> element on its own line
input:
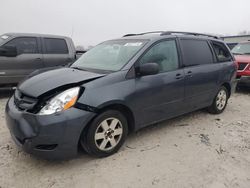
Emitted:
<point x="188" y="33"/>
<point x="129" y="35"/>
<point x="173" y="32"/>
<point x="151" y="32"/>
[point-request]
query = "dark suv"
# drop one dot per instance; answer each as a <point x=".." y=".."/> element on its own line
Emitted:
<point x="117" y="87"/>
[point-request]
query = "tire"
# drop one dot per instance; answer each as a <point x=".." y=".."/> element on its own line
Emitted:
<point x="106" y="134"/>
<point x="219" y="102"/>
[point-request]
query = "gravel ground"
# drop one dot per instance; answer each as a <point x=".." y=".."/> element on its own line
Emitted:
<point x="194" y="150"/>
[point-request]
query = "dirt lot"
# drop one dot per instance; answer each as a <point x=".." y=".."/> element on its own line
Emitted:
<point x="195" y="150"/>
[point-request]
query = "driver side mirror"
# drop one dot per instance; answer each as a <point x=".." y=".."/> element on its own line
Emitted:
<point x="148" y="69"/>
<point x="8" y="51"/>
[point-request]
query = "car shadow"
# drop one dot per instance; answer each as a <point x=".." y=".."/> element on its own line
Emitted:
<point x="243" y="90"/>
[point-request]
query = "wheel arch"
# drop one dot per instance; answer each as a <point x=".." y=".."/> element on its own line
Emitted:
<point x="119" y="106"/>
<point x="125" y="110"/>
<point x="228" y="87"/>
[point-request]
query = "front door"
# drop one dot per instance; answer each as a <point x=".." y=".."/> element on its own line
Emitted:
<point x="160" y="96"/>
<point x="28" y="59"/>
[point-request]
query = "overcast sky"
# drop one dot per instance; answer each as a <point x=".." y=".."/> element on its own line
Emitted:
<point x="89" y="22"/>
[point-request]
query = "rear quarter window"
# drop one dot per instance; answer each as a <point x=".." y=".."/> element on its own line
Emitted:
<point x="221" y="52"/>
<point x="196" y="52"/>
<point x="55" y="46"/>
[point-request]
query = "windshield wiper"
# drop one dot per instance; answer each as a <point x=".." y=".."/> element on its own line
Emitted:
<point x="78" y="68"/>
<point x="98" y="71"/>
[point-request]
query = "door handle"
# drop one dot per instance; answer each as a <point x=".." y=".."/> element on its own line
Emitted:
<point x="189" y="74"/>
<point x="178" y="76"/>
<point x="38" y="59"/>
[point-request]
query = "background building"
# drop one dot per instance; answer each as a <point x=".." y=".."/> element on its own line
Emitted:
<point x="234" y="40"/>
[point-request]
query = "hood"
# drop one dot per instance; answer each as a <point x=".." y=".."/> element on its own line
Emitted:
<point x="50" y="80"/>
<point x="242" y="58"/>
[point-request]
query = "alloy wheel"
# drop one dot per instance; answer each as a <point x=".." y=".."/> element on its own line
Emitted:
<point x="221" y="99"/>
<point x="108" y="134"/>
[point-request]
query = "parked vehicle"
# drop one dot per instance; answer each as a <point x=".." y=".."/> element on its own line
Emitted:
<point x="232" y="41"/>
<point x="242" y="56"/>
<point x="22" y="53"/>
<point x="231" y="45"/>
<point x="118" y="87"/>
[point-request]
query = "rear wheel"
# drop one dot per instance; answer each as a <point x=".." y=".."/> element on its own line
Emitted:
<point x="220" y="101"/>
<point x="106" y="134"/>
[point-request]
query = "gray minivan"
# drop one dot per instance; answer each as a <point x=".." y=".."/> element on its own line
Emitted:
<point x="23" y="53"/>
<point x="118" y="87"/>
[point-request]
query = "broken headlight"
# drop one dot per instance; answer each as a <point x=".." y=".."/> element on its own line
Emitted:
<point x="61" y="102"/>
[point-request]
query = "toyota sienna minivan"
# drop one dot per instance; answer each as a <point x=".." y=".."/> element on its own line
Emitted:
<point x="118" y="87"/>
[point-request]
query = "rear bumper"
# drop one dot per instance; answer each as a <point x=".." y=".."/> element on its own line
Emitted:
<point x="50" y="136"/>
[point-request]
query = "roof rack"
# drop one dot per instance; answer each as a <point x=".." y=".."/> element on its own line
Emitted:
<point x="188" y="33"/>
<point x="151" y="32"/>
<point x="173" y="32"/>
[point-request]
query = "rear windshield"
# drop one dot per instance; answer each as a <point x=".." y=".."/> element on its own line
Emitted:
<point x="242" y="49"/>
<point x="110" y="55"/>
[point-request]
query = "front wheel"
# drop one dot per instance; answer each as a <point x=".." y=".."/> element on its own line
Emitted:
<point x="220" y="101"/>
<point x="106" y="134"/>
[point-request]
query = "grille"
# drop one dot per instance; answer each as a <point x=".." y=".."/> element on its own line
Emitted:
<point x="24" y="102"/>
<point x="242" y="66"/>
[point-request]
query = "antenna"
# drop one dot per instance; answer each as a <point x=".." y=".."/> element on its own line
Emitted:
<point x="72" y="31"/>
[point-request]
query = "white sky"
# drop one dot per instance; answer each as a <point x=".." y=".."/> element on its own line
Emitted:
<point x="93" y="21"/>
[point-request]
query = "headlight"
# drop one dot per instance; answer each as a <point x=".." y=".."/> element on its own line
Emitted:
<point x="61" y="102"/>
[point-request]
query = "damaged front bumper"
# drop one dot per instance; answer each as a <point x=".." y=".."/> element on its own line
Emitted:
<point x="53" y="136"/>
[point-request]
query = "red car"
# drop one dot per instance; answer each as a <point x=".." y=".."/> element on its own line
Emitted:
<point x="242" y="57"/>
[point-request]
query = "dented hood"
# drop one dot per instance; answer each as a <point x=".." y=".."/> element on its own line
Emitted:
<point x="51" y="80"/>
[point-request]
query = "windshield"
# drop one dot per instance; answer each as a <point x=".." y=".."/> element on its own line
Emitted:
<point x="242" y="49"/>
<point x="110" y="55"/>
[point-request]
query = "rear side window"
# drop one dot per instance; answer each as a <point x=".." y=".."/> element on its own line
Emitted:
<point x="55" y="46"/>
<point x="196" y="52"/>
<point x="221" y="52"/>
<point x="24" y="45"/>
